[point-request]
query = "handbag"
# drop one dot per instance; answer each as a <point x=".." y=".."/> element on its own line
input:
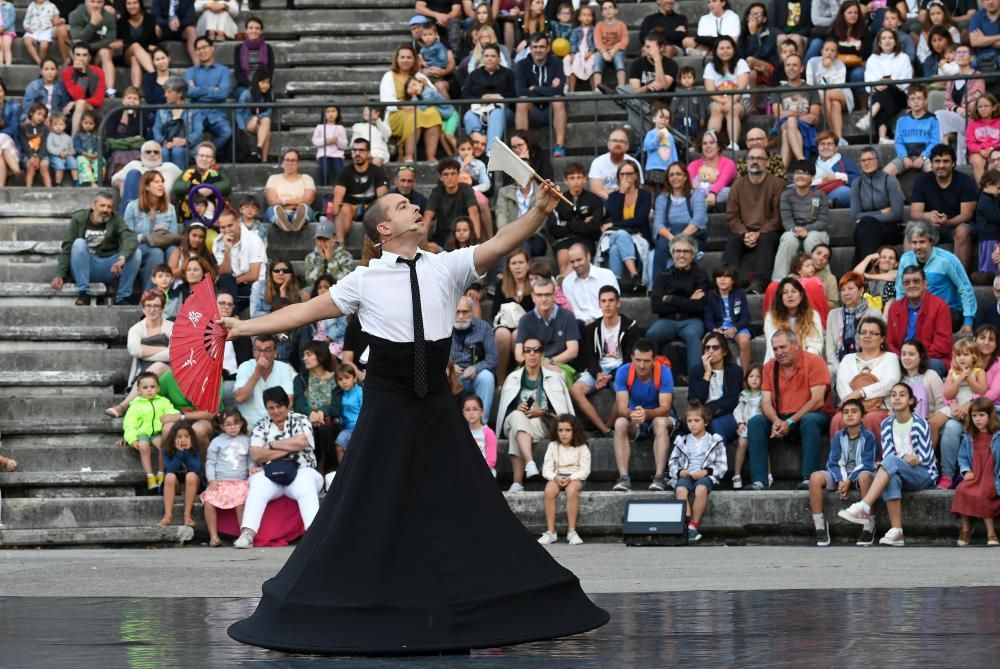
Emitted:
<point x="162" y="238"/>
<point x="282" y="471"/>
<point x="866" y="378"/>
<point x="851" y="59"/>
<point x="829" y="186"/>
<point x="509" y="315"/>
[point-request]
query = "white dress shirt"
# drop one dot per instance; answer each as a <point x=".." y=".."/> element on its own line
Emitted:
<point x="380" y="294"/>
<point x="583" y="293"/>
<point x="248" y="250"/>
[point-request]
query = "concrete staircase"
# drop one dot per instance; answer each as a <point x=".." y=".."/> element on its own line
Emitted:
<point x="60" y="365"/>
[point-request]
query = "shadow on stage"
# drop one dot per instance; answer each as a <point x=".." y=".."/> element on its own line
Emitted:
<point x="825" y="628"/>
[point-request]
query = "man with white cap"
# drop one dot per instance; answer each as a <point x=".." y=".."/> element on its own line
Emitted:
<point x="150" y="158"/>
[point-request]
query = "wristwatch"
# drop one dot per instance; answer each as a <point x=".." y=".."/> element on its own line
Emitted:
<point x="790" y="421"/>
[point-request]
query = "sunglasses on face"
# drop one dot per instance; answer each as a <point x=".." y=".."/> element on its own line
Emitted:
<point x="281" y="270"/>
<point x="712" y="347"/>
<point x="532" y="349"/>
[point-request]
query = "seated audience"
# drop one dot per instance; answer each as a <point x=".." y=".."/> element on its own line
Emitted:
<point x="922" y="316"/>
<point x="834" y="172"/>
<point x="946" y="199"/>
<point x="96" y="29"/>
<point x="876" y="207"/>
<point x="582" y="286"/>
<point x="868" y="375"/>
<point x="716" y="382"/>
<point x="577" y="224"/>
<point x="209" y="82"/>
<point x="84" y="84"/>
<point x="474" y="353"/>
<point x="241" y="256"/>
<point x="727" y="311"/>
<point x="449" y="200"/>
<point x="678" y="299"/>
<point x="357" y="186"/>
<point x="554" y="327"/>
<point x="752" y="214"/>
<point x="842" y="322"/>
<point x="805" y="217"/>
<point x="289" y="195"/>
<point x="603" y="174"/>
<point x="153" y="220"/>
<point x="625" y="241"/>
<point x="280" y="284"/>
<point x="793" y="311"/>
<point x="679" y="210"/>
<point x="176" y="21"/>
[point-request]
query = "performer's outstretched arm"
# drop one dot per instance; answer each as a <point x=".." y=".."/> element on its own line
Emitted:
<point x="318" y="308"/>
<point x="511" y="236"/>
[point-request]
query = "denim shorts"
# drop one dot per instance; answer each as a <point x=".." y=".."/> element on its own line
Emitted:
<point x="60" y="164"/>
<point x="690" y="484"/>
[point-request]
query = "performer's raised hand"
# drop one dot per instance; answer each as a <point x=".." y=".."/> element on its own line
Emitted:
<point x="547" y="197"/>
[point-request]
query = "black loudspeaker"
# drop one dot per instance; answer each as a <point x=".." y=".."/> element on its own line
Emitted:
<point x="650" y="522"/>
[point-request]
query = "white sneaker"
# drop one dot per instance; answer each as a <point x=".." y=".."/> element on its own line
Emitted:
<point x="573" y="538"/>
<point x="843" y="142"/>
<point x="515" y="487"/>
<point x="245" y="540"/>
<point x="733" y="146"/>
<point x="530" y="469"/>
<point x="887" y="141"/>
<point x="864" y="123"/>
<point x="770" y="480"/>
<point x="548" y="538"/>
<point x="737" y="482"/>
<point x="894" y="537"/>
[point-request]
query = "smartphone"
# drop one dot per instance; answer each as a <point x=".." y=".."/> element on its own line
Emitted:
<point x="530" y="403"/>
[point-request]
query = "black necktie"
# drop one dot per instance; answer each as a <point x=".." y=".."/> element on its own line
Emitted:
<point x="419" y="345"/>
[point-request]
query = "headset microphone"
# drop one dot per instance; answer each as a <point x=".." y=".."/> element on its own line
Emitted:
<point x="412" y="228"/>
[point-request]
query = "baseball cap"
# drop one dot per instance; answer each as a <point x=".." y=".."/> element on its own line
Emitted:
<point x="324" y="230"/>
<point x="418" y="20"/>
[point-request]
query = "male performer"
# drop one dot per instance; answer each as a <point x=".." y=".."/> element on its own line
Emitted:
<point x="414" y="512"/>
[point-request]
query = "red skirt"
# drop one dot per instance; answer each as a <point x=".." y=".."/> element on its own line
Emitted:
<point x="978" y="498"/>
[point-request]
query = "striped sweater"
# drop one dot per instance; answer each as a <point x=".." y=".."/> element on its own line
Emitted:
<point x="920" y="442"/>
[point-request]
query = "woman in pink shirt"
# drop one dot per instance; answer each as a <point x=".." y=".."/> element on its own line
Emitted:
<point x="712" y="164"/>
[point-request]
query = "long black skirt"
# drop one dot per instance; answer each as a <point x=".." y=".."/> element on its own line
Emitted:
<point x="415" y="550"/>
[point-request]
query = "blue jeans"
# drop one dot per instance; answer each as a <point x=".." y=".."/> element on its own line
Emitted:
<point x="178" y="155"/>
<point x="856" y="74"/>
<point x="271" y="214"/>
<point x="87" y="267"/>
<point x="328" y="169"/>
<point x="938" y="366"/>
<point x="815" y="46"/>
<point x="951" y="440"/>
<point x="484" y="385"/>
<point x="216" y="122"/>
<point x="496" y="123"/>
<point x="665" y="330"/>
<point x="904" y="476"/>
<point x="622" y="249"/>
<point x="150" y="258"/>
<point x="618" y="59"/>
<point x="810" y="430"/>
<point x="724" y="426"/>
<point x="840" y="197"/>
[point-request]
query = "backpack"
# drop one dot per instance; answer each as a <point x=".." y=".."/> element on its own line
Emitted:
<point x="658" y="361"/>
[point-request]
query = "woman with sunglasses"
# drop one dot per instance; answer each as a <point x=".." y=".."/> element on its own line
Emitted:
<point x="716" y="382"/>
<point x="280" y="283"/>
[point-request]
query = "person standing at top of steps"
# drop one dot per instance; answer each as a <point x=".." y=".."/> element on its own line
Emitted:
<point x="413" y="473"/>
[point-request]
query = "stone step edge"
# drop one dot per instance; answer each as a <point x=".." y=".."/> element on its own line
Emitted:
<point x="67" y="479"/>
<point x="176" y="534"/>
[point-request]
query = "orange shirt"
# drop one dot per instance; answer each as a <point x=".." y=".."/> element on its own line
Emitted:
<point x="810" y="370"/>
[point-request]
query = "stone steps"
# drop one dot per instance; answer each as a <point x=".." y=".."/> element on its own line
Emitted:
<point x="84" y="512"/>
<point x="70" y="453"/>
<point x="150" y="536"/>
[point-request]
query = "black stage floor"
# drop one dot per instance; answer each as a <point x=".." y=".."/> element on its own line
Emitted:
<point x="929" y="627"/>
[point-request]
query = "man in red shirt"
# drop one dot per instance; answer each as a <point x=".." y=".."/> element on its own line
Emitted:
<point x="796" y="398"/>
<point x="923" y="316"/>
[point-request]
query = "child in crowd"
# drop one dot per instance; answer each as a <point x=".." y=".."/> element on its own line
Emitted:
<point x="566" y="467"/>
<point x="143" y="425"/>
<point x="38" y="28"/>
<point x="255" y="119"/>
<point x="472" y="172"/>
<point x="916" y="134"/>
<point x="563" y="27"/>
<point x="87" y="146"/>
<point x="227" y="468"/>
<point x="59" y="147"/>
<point x="578" y="64"/>
<point x="182" y="465"/>
<point x="728" y="313"/>
<point x="688" y="113"/>
<point x="171" y="126"/>
<point x="6" y="465"/>
<point x="330" y="140"/>
<point x="417" y="89"/>
<point x="7" y="32"/>
<point x="947" y="67"/>
<point x="747" y="408"/>
<point x="434" y="57"/>
<point x="163" y="279"/>
<point x="610" y="42"/>
<point x="250" y="217"/>
<point x="659" y="147"/>
<point x="697" y="464"/>
<point x="988" y="227"/>
<point x="376" y="131"/>
<point x="462" y="234"/>
<point x="486" y="438"/>
<point x="966" y="380"/>
<point x="851" y="464"/>
<point x="907" y="465"/>
<point x="350" y="406"/>
<point x="34" y="135"/>
<point x="977" y="495"/>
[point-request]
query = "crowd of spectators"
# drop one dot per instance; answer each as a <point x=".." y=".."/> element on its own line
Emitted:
<point x="639" y="225"/>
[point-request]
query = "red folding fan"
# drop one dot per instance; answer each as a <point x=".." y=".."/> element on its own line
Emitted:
<point x="197" y="346"/>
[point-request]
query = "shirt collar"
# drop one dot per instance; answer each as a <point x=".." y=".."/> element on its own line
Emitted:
<point x="389" y="257"/>
<point x="555" y="310"/>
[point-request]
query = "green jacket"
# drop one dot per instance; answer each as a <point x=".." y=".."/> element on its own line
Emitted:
<point x="192" y="177"/>
<point x="118" y="239"/>
<point x="301" y="385"/>
<point x="82" y="30"/>
<point x="143" y="417"/>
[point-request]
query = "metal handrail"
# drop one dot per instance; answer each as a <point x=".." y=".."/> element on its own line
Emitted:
<point x="283" y="106"/>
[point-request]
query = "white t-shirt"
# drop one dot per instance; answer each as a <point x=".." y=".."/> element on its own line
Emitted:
<point x="611" y="355"/>
<point x="289" y="190"/>
<point x="710" y="25"/>
<point x="602" y="168"/>
<point x="728" y="79"/>
<point x="282" y="375"/>
<point x="248" y="250"/>
<point x="380" y="294"/>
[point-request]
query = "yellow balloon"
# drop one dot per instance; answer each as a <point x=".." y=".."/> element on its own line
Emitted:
<point x="560" y="47"/>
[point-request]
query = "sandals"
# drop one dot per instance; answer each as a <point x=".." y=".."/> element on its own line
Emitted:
<point x="189" y="522"/>
<point x="215" y="543"/>
<point x="165" y="522"/>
